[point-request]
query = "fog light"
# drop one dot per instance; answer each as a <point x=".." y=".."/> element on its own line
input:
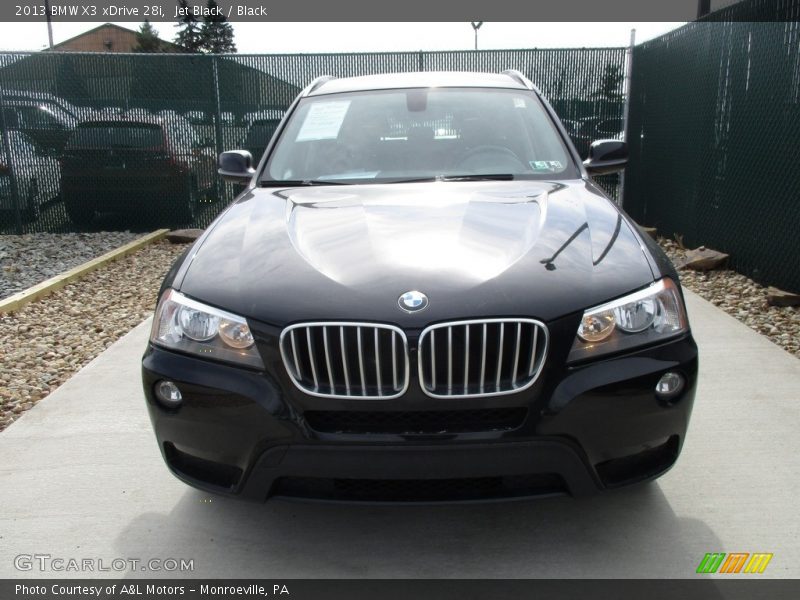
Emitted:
<point x="670" y="385"/>
<point x="168" y="394"/>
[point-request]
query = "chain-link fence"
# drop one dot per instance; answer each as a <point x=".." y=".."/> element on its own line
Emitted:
<point x="714" y="125"/>
<point x="130" y="141"/>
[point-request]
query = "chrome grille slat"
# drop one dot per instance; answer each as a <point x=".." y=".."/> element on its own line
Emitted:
<point x="500" y="355"/>
<point x="361" y="363"/>
<point x="533" y="352"/>
<point x="378" y="364"/>
<point x="327" y="356"/>
<point x="516" y="352"/>
<point x="311" y="359"/>
<point x="449" y="359"/>
<point x="294" y="354"/>
<point x="321" y="359"/>
<point x="394" y="360"/>
<point x="483" y="360"/>
<point x="466" y="360"/>
<point x="344" y="359"/>
<point x="504" y="342"/>
<point x="433" y="358"/>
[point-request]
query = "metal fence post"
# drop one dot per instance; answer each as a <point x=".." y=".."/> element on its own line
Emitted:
<point x="626" y="108"/>
<point x="11" y="170"/>
<point x="219" y="142"/>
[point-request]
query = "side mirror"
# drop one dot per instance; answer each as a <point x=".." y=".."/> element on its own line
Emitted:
<point x="606" y="156"/>
<point x="236" y="166"/>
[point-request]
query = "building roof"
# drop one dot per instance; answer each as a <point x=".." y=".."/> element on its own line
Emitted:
<point x="105" y="26"/>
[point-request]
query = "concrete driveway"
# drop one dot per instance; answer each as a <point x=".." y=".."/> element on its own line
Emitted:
<point x="81" y="477"/>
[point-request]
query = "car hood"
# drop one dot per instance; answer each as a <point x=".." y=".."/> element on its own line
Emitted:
<point x="519" y="248"/>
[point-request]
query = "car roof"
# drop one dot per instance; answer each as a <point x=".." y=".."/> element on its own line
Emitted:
<point x="119" y="122"/>
<point x="132" y="120"/>
<point x="417" y="80"/>
<point x="39" y="97"/>
<point x="263" y="122"/>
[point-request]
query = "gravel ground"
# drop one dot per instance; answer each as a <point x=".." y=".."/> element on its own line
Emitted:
<point x="742" y="298"/>
<point x="47" y="341"/>
<point x="26" y="260"/>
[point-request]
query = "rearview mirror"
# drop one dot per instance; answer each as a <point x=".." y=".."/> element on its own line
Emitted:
<point x="236" y="165"/>
<point x="606" y="156"/>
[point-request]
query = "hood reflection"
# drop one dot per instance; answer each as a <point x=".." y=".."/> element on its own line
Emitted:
<point x="475" y="237"/>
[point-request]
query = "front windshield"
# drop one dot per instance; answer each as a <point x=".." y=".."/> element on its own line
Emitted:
<point x="419" y="134"/>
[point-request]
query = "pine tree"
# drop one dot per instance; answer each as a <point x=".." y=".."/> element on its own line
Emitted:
<point x="189" y="36"/>
<point x="610" y="84"/>
<point x="147" y="39"/>
<point x="216" y="33"/>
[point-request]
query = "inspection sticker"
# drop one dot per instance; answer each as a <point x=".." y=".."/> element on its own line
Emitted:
<point x="323" y="121"/>
<point x="549" y="166"/>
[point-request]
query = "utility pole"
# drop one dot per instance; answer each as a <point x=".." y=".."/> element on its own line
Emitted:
<point x="49" y="23"/>
<point x="476" y="25"/>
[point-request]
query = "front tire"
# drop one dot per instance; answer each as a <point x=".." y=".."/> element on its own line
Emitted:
<point x="79" y="212"/>
<point x="187" y="205"/>
<point x="31" y="212"/>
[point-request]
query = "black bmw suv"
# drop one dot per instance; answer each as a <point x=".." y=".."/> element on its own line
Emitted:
<point x="421" y="295"/>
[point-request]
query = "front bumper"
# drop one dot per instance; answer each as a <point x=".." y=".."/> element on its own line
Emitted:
<point x="584" y="429"/>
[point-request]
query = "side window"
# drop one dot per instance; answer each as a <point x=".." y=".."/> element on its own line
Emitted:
<point x="610" y="127"/>
<point x="35" y="117"/>
<point x="193" y="138"/>
<point x="11" y="117"/>
<point x="21" y="146"/>
<point x="175" y="138"/>
<point x="185" y="139"/>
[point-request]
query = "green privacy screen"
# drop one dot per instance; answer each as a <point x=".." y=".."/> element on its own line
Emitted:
<point x="104" y="141"/>
<point x="713" y="134"/>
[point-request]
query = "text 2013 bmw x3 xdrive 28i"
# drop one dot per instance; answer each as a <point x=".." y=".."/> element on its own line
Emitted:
<point x="420" y="296"/>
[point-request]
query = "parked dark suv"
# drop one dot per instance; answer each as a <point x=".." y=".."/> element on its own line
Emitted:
<point x="47" y="119"/>
<point x="422" y="295"/>
<point x="147" y="165"/>
<point x="36" y="175"/>
<point x="258" y="136"/>
<point x="584" y="131"/>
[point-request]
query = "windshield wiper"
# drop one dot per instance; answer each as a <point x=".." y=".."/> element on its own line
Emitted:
<point x="470" y="177"/>
<point x="297" y="182"/>
<point x="479" y="177"/>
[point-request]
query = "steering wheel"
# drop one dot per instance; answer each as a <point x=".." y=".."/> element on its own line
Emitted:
<point x="505" y="155"/>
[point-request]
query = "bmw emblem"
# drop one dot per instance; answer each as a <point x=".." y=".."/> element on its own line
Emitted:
<point x="412" y="301"/>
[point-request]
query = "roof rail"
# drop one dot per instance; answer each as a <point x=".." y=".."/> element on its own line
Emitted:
<point x="520" y="78"/>
<point x="316" y="83"/>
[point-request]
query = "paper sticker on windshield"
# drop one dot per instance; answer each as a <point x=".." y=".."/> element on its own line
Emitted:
<point x="546" y="166"/>
<point x="323" y="121"/>
<point x="350" y="175"/>
<point x="519" y="102"/>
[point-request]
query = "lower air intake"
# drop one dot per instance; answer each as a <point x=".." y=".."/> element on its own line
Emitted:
<point x="420" y="490"/>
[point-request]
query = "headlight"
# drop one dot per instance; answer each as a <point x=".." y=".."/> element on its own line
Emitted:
<point x="640" y="318"/>
<point x="190" y="326"/>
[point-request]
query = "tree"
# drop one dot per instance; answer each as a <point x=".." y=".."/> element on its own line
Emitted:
<point x="610" y="84"/>
<point x="216" y="33"/>
<point x="188" y="36"/>
<point x="147" y="39"/>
